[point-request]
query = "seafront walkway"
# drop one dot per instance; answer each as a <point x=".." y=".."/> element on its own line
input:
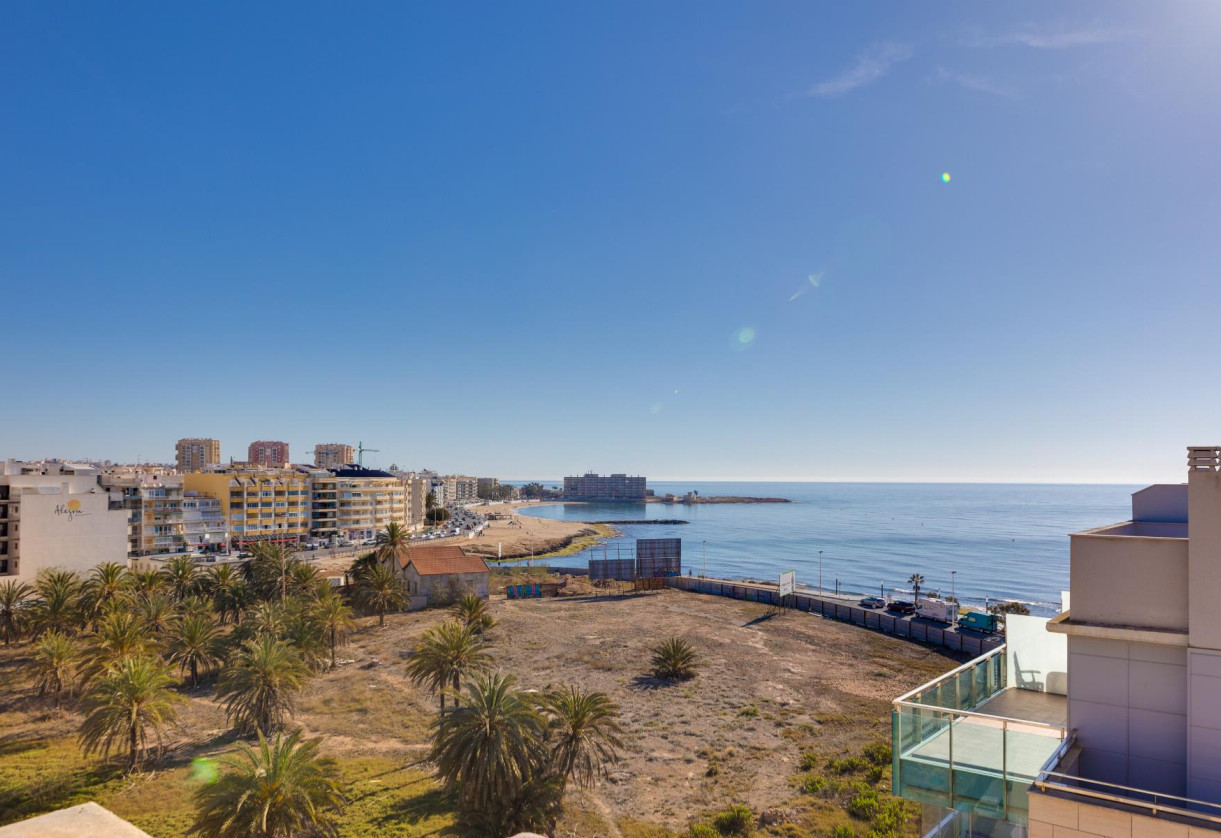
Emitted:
<point x="844" y="609"/>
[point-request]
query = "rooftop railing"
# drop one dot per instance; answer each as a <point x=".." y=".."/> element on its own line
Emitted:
<point x="946" y="753"/>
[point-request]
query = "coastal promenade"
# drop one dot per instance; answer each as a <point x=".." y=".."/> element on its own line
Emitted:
<point x="842" y="608"/>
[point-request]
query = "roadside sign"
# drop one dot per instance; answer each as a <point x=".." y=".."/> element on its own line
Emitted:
<point x="788" y="582"/>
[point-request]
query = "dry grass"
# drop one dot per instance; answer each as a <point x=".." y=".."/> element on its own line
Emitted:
<point x="814" y="684"/>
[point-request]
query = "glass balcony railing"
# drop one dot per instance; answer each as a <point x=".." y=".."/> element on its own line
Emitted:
<point x="950" y="752"/>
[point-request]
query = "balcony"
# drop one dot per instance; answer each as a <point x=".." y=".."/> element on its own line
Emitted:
<point x="970" y="741"/>
<point x="1061" y="797"/>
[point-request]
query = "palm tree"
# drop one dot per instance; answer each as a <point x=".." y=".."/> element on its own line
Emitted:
<point x="447" y="654"/>
<point x="223" y="583"/>
<point x="303" y="631"/>
<point x="335" y="617"/>
<point x="585" y="735"/>
<point x="147" y="583"/>
<point x="674" y="659"/>
<point x="379" y="590"/>
<point x="182" y="577"/>
<point x="126" y="704"/>
<point x="106" y="587"/>
<point x="266" y="618"/>
<point x="915" y="580"/>
<point x="59" y="606"/>
<point x="14" y="614"/>
<point x="492" y="747"/>
<point x="282" y="788"/>
<point x="394" y="547"/>
<point x="261" y="682"/>
<point x="303" y="579"/>
<point x="472" y="611"/>
<point x="121" y="635"/>
<point x="158" y="613"/>
<point x="55" y="664"/>
<point x="195" y="644"/>
<point x="269" y="568"/>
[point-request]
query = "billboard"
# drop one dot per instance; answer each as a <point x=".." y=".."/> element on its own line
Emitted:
<point x="788" y="582"/>
<point x="622" y="570"/>
<point x="659" y="557"/>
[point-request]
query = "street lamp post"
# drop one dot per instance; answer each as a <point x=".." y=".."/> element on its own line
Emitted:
<point x="953" y="596"/>
<point x="820" y="572"/>
<point x="704" y="547"/>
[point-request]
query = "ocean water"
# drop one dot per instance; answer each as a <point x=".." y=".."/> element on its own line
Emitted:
<point x="1005" y="542"/>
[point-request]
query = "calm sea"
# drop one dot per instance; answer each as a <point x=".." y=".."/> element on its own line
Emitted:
<point x="1001" y="541"/>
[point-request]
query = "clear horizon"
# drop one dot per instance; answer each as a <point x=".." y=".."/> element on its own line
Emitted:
<point x="912" y="243"/>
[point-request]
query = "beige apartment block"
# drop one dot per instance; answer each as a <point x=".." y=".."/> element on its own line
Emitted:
<point x="153" y="500"/>
<point x="356" y="503"/>
<point x="330" y="455"/>
<point x="196" y="454"/>
<point x="57" y="515"/>
<point x="460" y="489"/>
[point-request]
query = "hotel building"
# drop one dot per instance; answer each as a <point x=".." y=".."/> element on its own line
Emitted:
<point x="356" y="503"/>
<point x="197" y="454"/>
<point x="460" y="489"/>
<point x="331" y="455"/>
<point x="616" y="488"/>
<point x="259" y="504"/>
<point x="56" y="515"/>
<point x="1104" y="721"/>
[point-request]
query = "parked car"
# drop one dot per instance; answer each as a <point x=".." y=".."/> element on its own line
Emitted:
<point x="873" y="602"/>
<point x="902" y="606"/>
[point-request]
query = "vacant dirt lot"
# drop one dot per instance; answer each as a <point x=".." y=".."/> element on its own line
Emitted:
<point x="770" y="688"/>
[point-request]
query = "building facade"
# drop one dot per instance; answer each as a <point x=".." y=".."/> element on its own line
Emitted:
<point x="268" y="454"/>
<point x="331" y="455"/>
<point x="356" y="503"/>
<point x="153" y="500"/>
<point x="460" y="489"/>
<point x="196" y="454"/>
<point x="615" y="488"/>
<point x="258" y="504"/>
<point x="1128" y="677"/>
<point x="57" y="515"/>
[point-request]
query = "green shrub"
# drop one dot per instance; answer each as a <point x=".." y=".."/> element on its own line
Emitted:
<point x="843" y="831"/>
<point x="875" y="773"/>
<point x="878" y="753"/>
<point x="713" y="769"/>
<point x="814" y="785"/>
<point x="864" y="804"/>
<point x="846" y="765"/>
<point x="809" y="761"/>
<point x="674" y="660"/>
<point x="750" y="711"/>
<point x="700" y="830"/>
<point x="736" y="820"/>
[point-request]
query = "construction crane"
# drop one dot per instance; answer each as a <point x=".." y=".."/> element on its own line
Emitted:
<point x="360" y="453"/>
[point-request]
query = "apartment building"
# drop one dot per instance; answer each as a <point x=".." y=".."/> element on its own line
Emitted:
<point x="57" y="515"/>
<point x="204" y="525"/>
<point x="356" y="503"/>
<point x="259" y="504"/>
<point x="417" y="493"/>
<point x="153" y="500"/>
<point x="1105" y="720"/>
<point x="614" y="488"/>
<point x="331" y="455"/>
<point x="268" y="454"/>
<point x="196" y="454"/>
<point x="460" y="489"/>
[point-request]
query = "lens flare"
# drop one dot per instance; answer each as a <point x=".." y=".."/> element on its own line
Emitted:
<point x="945" y="177"/>
<point x="203" y="770"/>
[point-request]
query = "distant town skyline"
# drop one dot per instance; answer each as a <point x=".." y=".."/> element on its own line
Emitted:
<point x="868" y="242"/>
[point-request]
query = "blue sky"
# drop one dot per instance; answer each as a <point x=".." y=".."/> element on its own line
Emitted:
<point x="689" y="240"/>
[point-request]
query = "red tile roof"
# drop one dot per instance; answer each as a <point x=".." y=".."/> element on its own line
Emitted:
<point x="438" y="560"/>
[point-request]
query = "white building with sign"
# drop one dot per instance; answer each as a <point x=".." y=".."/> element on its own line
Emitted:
<point x="56" y="515"/>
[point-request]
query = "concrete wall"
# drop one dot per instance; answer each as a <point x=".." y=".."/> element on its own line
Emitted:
<point x="1204" y="731"/>
<point x="1037" y="658"/>
<point x="440" y="588"/>
<point x="1161" y="502"/>
<point x="1128" y="705"/>
<point x="70" y="531"/>
<point x="1060" y="817"/>
<point x="1130" y="581"/>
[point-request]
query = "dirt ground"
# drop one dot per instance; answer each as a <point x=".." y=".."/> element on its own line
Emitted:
<point x="770" y="688"/>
